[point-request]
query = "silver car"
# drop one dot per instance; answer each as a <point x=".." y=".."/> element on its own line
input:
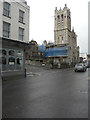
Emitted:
<point x="80" y="67"/>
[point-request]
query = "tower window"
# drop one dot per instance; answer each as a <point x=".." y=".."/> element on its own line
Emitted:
<point x="62" y="17"/>
<point x="58" y="39"/>
<point x="58" y="17"/>
<point x="62" y="38"/>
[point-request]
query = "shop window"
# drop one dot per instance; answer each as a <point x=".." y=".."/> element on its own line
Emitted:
<point x="18" y="61"/>
<point x="11" y="61"/>
<point x="4" y="52"/>
<point x="4" y="60"/>
<point x="19" y="53"/>
<point x="11" y="52"/>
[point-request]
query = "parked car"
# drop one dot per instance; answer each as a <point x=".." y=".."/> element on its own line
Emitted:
<point x="80" y="67"/>
<point x="86" y="64"/>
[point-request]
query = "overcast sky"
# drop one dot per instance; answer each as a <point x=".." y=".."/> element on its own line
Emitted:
<point x="42" y="20"/>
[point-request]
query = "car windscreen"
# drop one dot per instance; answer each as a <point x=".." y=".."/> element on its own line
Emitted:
<point x="79" y="64"/>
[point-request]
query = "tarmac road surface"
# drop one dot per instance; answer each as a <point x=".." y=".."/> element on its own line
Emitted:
<point x="46" y="94"/>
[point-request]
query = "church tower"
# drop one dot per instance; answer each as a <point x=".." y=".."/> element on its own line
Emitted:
<point x="62" y="26"/>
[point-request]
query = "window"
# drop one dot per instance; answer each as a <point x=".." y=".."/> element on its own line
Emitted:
<point x="11" y="52"/>
<point x="58" y="17"/>
<point x="18" y="61"/>
<point x="4" y="52"/>
<point x="21" y="34"/>
<point x="19" y="53"/>
<point x="62" y="25"/>
<point x="62" y="32"/>
<point x="58" y="39"/>
<point x="11" y="61"/>
<point x="6" y="9"/>
<point x="4" y="60"/>
<point x="6" y="29"/>
<point x="62" y="17"/>
<point x="62" y="38"/>
<point x="21" y="16"/>
<point x="59" y="25"/>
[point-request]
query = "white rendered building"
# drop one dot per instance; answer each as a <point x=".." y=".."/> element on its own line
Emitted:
<point x="14" y="35"/>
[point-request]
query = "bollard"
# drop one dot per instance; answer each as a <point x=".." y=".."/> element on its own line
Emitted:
<point x="25" y="72"/>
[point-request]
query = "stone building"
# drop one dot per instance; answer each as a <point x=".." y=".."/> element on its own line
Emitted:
<point x="31" y="50"/>
<point x="64" y="48"/>
<point x="63" y="33"/>
<point x="14" y="36"/>
<point x="62" y="25"/>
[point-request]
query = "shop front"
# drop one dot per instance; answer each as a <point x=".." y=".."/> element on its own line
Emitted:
<point x="13" y="58"/>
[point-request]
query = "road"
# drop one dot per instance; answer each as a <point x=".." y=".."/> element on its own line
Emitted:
<point x="46" y="94"/>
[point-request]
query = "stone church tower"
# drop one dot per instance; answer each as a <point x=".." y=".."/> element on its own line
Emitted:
<point x="62" y="26"/>
<point x="63" y="35"/>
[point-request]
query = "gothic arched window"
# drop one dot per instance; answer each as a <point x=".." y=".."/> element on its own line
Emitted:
<point x="58" y="17"/>
<point x="62" y="17"/>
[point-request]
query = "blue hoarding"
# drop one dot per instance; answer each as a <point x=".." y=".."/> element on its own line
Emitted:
<point x="53" y="52"/>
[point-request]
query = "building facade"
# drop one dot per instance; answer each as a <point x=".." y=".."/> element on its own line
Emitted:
<point x="62" y="25"/>
<point x="14" y="36"/>
<point x="64" y="48"/>
<point x="64" y="35"/>
<point x="32" y="50"/>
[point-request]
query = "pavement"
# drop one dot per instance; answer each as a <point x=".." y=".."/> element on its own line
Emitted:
<point x="46" y="94"/>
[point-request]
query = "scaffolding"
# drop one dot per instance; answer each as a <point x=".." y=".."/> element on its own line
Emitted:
<point x="53" y="52"/>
